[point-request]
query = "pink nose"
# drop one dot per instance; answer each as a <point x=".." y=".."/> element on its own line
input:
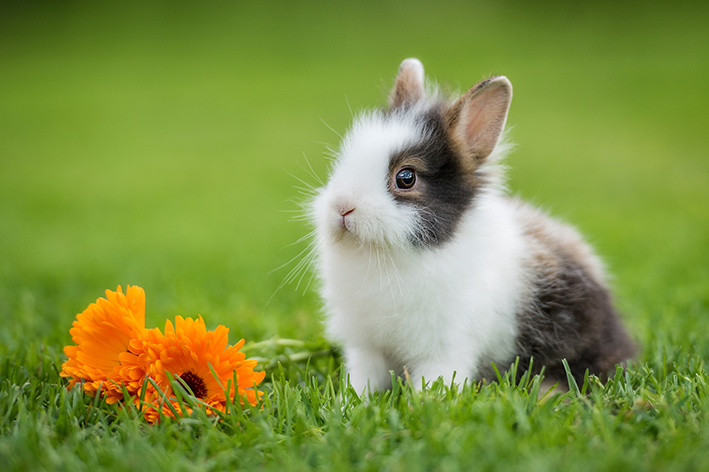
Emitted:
<point x="346" y="211"/>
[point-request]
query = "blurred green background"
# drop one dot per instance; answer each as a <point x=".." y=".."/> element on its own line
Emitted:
<point x="152" y="143"/>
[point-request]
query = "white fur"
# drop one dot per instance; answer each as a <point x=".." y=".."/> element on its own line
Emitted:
<point x="359" y="180"/>
<point x="434" y="311"/>
<point x="416" y="66"/>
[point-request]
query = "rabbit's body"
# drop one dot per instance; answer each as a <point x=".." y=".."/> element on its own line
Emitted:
<point x="426" y="265"/>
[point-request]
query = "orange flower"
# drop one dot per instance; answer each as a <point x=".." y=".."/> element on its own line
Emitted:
<point x="114" y="351"/>
<point x="187" y="350"/>
<point x="102" y="333"/>
<point x="136" y="362"/>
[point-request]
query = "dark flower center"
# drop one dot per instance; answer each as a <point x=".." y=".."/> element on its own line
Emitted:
<point x="195" y="383"/>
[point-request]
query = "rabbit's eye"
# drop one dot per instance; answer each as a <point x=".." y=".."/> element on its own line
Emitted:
<point x="405" y="179"/>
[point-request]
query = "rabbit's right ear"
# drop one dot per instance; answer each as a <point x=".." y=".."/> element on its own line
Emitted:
<point x="477" y="119"/>
<point x="409" y="87"/>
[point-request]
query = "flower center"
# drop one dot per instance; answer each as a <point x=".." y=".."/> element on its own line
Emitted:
<point x="195" y="383"/>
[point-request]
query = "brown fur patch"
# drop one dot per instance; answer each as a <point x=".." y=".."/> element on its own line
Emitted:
<point x="569" y="312"/>
<point x="445" y="187"/>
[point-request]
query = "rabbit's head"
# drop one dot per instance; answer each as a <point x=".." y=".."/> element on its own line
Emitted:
<point x="405" y="175"/>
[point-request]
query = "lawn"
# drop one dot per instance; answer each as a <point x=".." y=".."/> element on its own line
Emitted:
<point x="159" y="143"/>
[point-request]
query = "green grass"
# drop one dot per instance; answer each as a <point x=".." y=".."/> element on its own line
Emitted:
<point x="151" y="143"/>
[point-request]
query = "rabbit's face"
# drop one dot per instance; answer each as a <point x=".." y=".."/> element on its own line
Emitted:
<point x="357" y="205"/>
<point x="397" y="182"/>
<point x="405" y="177"/>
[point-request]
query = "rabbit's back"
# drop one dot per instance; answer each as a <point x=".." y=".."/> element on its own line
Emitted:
<point x="567" y="312"/>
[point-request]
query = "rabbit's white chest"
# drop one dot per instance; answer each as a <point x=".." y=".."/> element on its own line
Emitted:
<point x="458" y="300"/>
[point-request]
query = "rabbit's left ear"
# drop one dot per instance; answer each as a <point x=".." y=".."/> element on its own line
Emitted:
<point x="409" y="87"/>
<point x="477" y="119"/>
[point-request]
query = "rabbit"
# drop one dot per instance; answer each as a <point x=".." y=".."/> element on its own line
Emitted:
<point x="427" y="268"/>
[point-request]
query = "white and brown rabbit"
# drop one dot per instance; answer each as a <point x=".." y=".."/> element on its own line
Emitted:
<point x="426" y="265"/>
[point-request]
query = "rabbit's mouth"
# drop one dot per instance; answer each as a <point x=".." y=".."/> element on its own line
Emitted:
<point x="358" y="232"/>
<point x="347" y="227"/>
<point x="364" y="221"/>
<point x="344" y="220"/>
<point x="347" y="220"/>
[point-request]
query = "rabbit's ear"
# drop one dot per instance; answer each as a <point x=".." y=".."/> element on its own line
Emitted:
<point x="477" y="119"/>
<point x="409" y="84"/>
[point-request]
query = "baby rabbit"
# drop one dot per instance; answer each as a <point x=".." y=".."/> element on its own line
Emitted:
<point x="426" y="265"/>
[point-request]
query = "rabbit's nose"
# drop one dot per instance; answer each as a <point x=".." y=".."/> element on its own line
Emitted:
<point x="344" y="211"/>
